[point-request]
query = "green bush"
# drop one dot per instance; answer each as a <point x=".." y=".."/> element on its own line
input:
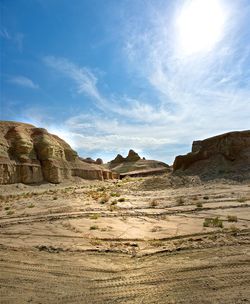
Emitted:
<point x="122" y="199"/>
<point x="242" y="199"/>
<point x="232" y="218"/>
<point x="94" y="227"/>
<point x="213" y="222"/>
<point x="94" y="216"/>
<point x="10" y="212"/>
<point x="115" y="194"/>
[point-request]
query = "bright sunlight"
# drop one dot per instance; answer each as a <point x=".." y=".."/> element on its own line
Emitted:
<point x="200" y="25"/>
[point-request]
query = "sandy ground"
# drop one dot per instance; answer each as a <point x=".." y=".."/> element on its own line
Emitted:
<point x="119" y="242"/>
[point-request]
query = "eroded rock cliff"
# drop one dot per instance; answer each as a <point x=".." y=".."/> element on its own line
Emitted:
<point x="31" y="155"/>
<point x="223" y="155"/>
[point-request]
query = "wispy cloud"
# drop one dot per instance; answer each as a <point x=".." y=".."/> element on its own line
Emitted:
<point x="85" y="80"/>
<point x="86" y="83"/>
<point x="197" y="95"/>
<point x="15" y="38"/>
<point x="23" y="82"/>
<point x="4" y="33"/>
<point x="207" y="88"/>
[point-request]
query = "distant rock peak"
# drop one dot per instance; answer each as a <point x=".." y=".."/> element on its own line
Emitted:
<point x="131" y="157"/>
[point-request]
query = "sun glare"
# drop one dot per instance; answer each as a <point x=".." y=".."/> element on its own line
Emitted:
<point x="200" y="25"/>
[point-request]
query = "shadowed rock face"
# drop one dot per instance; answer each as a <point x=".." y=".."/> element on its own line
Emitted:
<point x="226" y="154"/>
<point x="133" y="165"/>
<point x="31" y="155"/>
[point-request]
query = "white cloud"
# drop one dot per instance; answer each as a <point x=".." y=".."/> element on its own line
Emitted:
<point x="23" y="81"/>
<point x="5" y="34"/>
<point x="198" y="95"/>
<point x="16" y="38"/>
<point x="210" y="89"/>
<point x="85" y="80"/>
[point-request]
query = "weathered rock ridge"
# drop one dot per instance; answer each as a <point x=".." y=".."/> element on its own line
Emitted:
<point x="32" y="155"/>
<point x="133" y="165"/>
<point x="223" y="155"/>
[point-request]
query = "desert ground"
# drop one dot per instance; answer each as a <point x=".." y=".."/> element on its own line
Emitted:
<point x="135" y="240"/>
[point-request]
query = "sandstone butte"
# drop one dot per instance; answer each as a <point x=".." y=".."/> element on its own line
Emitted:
<point x="134" y="165"/>
<point x="222" y="155"/>
<point x="32" y="155"/>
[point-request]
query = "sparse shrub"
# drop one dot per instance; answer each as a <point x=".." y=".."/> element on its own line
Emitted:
<point x="104" y="199"/>
<point x="232" y="218"/>
<point x="234" y="229"/>
<point x="154" y="203"/>
<point x="213" y="222"/>
<point x="94" y="216"/>
<point x="55" y="198"/>
<point x="10" y="212"/>
<point x="206" y="197"/>
<point x="112" y="207"/>
<point x="122" y="199"/>
<point x="114" y="202"/>
<point x="156" y="243"/>
<point x="94" y="227"/>
<point x="242" y="199"/>
<point x="156" y="228"/>
<point x="31" y="205"/>
<point x="199" y="205"/>
<point x="180" y="201"/>
<point x="195" y="198"/>
<point x="126" y="179"/>
<point x="7" y="208"/>
<point x="115" y="194"/>
<point x="101" y="189"/>
<point x="95" y="242"/>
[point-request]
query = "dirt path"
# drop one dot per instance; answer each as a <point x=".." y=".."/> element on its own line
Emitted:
<point x="114" y="243"/>
<point x="214" y="275"/>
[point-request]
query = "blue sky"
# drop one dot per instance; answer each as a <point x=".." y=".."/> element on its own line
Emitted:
<point x="112" y="75"/>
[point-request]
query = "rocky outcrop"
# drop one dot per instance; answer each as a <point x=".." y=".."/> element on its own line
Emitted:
<point x="118" y="160"/>
<point x="32" y="155"/>
<point x="223" y="155"/>
<point x="133" y="165"/>
<point x="132" y="156"/>
<point x="99" y="161"/>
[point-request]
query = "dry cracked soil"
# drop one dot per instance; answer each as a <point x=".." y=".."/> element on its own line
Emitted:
<point x="125" y="242"/>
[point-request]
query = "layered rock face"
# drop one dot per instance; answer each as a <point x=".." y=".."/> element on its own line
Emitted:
<point x="133" y="165"/>
<point x="227" y="154"/>
<point x="31" y="155"/>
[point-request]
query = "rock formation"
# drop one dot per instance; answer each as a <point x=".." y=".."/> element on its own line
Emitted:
<point x="133" y="165"/>
<point x="99" y="161"/>
<point x="31" y="155"/>
<point x="132" y="156"/>
<point x="223" y="155"/>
